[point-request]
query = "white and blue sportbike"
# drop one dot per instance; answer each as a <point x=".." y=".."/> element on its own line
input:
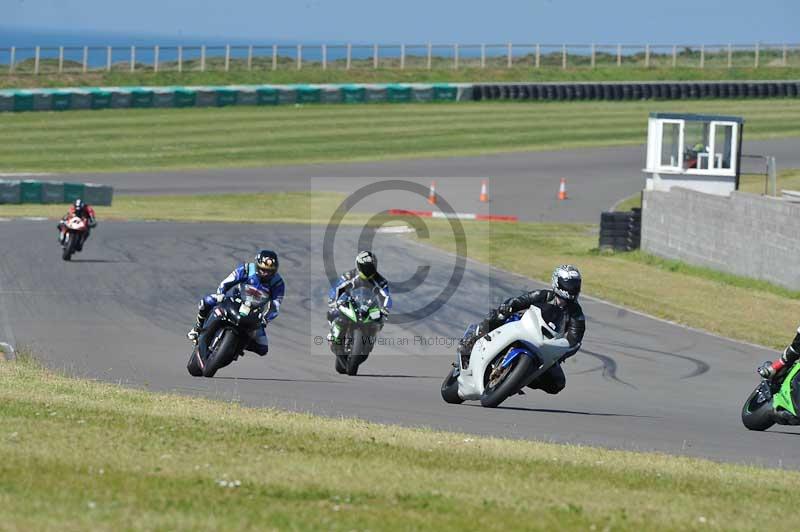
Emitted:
<point x="506" y="360"/>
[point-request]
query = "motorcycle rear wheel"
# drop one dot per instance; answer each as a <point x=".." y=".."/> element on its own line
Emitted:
<point x="450" y="389"/>
<point x="757" y="415"/>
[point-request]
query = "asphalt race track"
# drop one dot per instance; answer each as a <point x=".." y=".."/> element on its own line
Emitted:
<point x="120" y="310"/>
<point x="522" y="184"/>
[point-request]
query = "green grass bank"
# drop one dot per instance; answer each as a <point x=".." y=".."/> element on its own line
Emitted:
<point x="441" y="71"/>
<point x="81" y="455"/>
<point x="155" y="139"/>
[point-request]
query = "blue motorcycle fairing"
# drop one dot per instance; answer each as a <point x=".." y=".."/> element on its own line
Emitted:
<point x="514" y="353"/>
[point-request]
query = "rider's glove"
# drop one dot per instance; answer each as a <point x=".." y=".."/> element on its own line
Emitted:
<point x="504" y="311"/>
<point x="218" y="297"/>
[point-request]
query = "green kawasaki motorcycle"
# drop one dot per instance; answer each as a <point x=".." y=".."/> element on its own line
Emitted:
<point x="774" y="402"/>
<point x="355" y="335"/>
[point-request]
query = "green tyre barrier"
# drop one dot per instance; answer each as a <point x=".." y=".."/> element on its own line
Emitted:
<point x="100" y="99"/>
<point x="445" y="93"/>
<point x="354" y="94"/>
<point x="226" y="97"/>
<point x="330" y="94"/>
<point x="141" y="98"/>
<point x="61" y="101"/>
<point x="10" y="192"/>
<point x="185" y="98"/>
<point x="246" y="96"/>
<point x="42" y="100"/>
<point x="6" y="101"/>
<point x="73" y="191"/>
<point x="398" y="94"/>
<point x="81" y="99"/>
<point x="164" y="98"/>
<point x="287" y="95"/>
<point x="120" y="98"/>
<point x="267" y="96"/>
<point x="376" y="93"/>
<point x="30" y="191"/>
<point x="308" y="94"/>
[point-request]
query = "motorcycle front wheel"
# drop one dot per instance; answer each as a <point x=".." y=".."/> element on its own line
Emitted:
<point x="508" y="383"/>
<point x="222" y="353"/>
<point x="70" y="243"/>
<point x="757" y="412"/>
<point x="450" y="388"/>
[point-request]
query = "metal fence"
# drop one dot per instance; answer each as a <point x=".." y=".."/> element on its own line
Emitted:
<point x="84" y="59"/>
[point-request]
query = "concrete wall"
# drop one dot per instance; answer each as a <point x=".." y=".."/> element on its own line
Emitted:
<point x="743" y="234"/>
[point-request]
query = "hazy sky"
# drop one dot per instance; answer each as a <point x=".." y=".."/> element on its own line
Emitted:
<point x="574" y="21"/>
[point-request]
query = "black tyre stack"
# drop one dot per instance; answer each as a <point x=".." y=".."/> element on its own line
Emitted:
<point x="621" y="231"/>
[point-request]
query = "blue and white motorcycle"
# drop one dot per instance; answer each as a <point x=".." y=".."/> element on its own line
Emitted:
<point x="506" y="360"/>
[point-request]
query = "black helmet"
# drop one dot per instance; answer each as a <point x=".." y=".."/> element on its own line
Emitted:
<point x="567" y="282"/>
<point x="266" y="263"/>
<point x="366" y="264"/>
<point x="79" y="206"/>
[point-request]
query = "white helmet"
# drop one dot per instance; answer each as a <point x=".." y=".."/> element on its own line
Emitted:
<point x="567" y="282"/>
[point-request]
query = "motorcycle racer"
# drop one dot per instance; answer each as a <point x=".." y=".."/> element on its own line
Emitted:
<point x="261" y="273"/>
<point x="83" y="211"/>
<point x="364" y="274"/>
<point x="560" y="309"/>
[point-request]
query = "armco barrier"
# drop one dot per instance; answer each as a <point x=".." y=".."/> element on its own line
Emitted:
<point x="43" y="192"/>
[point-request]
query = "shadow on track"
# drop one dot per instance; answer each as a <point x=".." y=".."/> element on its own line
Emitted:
<point x="573" y="412"/>
<point x="101" y="261"/>
<point x="274" y="379"/>
<point x="398" y="376"/>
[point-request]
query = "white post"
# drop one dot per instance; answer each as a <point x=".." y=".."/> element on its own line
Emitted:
<point x="299" y="56"/>
<point x="324" y="57"/>
<point x="36" y="61"/>
<point x="647" y="56"/>
<point x="509" y="55"/>
<point x="784" y="55"/>
<point x="180" y="58"/>
<point x="227" y="57"/>
<point x="12" y="60"/>
<point x="538" y="55"/>
<point x="430" y="55"/>
<point x="619" y="55"/>
<point x="60" y="59"/>
<point x="483" y="55"/>
<point x="594" y="56"/>
<point x="773" y="176"/>
<point x="203" y="58"/>
<point x="374" y="56"/>
<point x="85" y="59"/>
<point x="455" y="57"/>
<point x="563" y="57"/>
<point x="730" y="56"/>
<point x="274" y="57"/>
<point x="133" y="58"/>
<point x="702" y="56"/>
<point x="156" y="53"/>
<point x="108" y="59"/>
<point x="349" y="56"/>
<point x="674" y="55"/>
<point x="402" y="57"/>
<point x="250" y="57"/>
<point x="757" y="54"/>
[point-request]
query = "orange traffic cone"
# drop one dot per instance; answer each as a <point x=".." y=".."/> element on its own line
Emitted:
<point x="484" y="198"/>
<point x="562" y="190"/>
<point x="432" y="193"/>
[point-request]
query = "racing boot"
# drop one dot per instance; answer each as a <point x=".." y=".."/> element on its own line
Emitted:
<point x="194" y="332"/>
<point x="773" y="370"/>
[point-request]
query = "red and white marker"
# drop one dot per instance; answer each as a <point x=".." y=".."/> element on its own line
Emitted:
<point x="459" y="215"/>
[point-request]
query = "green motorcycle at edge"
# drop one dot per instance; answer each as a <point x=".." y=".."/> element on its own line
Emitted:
<point x="774" y="402"/>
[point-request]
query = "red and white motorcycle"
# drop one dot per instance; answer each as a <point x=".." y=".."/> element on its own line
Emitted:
<point x="74" y="230"/>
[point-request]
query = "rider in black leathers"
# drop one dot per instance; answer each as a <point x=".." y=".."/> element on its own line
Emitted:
<point x="560" y="309"/>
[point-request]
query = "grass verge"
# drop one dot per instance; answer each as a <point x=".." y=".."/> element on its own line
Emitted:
<point x="672" y="290"/>
<point x="441" y="72"/>
<point x="153" y="139"/>
<point x="80" y="455"/>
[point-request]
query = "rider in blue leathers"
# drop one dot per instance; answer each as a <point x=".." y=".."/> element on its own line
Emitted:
<point x="263" y="274"/>
<point x="364" y="274"/>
